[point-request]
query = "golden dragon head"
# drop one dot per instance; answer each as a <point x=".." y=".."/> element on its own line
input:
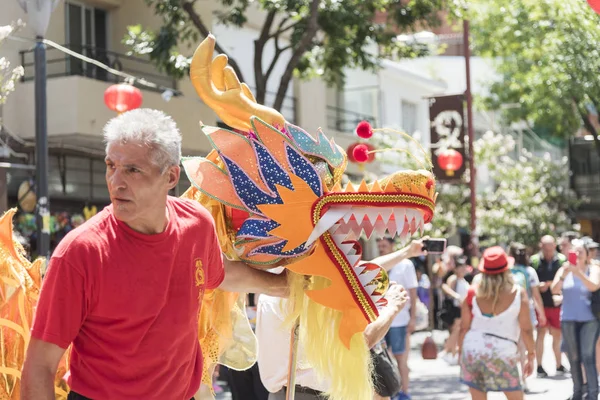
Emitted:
<point x="284" y="203"/>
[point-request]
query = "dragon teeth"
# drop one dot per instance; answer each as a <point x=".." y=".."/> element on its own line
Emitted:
<point x="370" y="289"/>
<point x="391" y="227"/>
<point x="366" y="277"/>
<point x="368" y="229"/>
<point x="372" y="214"/>
<point x="345" y="247"/>
<point x="386" y="214"/>
<point x="353" y="259"/>
<point x="380" y="228"/>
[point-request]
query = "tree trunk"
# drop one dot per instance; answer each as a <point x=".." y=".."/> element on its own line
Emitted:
<point x="259" y="46"/>
<point x="204" y="31"/>
<point x="309" y="34"/>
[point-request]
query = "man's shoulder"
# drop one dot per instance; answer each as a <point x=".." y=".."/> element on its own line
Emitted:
<point x="93" y="234"/>
<point x="190" y="208"/>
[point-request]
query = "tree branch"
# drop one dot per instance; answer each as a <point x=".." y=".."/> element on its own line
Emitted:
<point x="280" y="28"/>
<point x="199" y="24"/>
<point x="309" y="34"/>
<point x="259" y="46"/>
<point x="278" y="52"/>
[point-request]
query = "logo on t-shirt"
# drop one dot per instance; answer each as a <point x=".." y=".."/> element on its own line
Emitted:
<point x="199" y="272"/>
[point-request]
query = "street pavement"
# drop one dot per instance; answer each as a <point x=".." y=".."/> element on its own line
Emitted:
<point x="437" y="380"/>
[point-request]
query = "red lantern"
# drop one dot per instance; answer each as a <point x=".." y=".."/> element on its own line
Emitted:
<point x="360" y="153"/>
<point x="350" y="152"/>
<point x="122" y="97"/>
<point x="595" y="4"/>
<point x="450" y="161"/>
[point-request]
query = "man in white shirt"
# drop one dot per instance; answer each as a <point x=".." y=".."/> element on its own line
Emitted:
<point x="274" y="339"/>
<point x="398" y="337"/>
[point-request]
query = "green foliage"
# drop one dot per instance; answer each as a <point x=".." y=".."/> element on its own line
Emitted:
<point x="548" y="58"/>
<point x="527" y="198"/>
<point x="347" y="35"/>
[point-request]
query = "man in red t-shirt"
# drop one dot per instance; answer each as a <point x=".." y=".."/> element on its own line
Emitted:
<point x="124" y="288"/>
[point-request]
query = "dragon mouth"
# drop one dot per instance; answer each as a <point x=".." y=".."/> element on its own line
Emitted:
<point x="339" y="228"/>
<point x="400" y="222"/>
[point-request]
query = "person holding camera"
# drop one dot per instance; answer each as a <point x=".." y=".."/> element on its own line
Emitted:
<point x="576" y="280"/>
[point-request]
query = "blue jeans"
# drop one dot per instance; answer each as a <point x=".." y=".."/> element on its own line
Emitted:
<point x="396" y="339"/>
<point x="580" y="343"/>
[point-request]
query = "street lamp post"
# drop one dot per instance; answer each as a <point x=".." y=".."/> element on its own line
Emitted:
<point x="474" y="240"/>
<point x="38" y="12"/>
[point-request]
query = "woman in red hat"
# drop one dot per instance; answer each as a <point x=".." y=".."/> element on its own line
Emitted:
<point x="491" y="328"/>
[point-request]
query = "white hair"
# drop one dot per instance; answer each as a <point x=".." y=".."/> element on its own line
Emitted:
<point x="149" y="127"/>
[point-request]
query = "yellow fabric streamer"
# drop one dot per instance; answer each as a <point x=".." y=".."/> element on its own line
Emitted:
<point x="19" y="291"/>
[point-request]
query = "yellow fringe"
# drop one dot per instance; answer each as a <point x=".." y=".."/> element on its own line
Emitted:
<point x="348" y="371"/>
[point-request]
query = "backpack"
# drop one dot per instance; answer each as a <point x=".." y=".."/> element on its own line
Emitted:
<point x="521" y="277"/>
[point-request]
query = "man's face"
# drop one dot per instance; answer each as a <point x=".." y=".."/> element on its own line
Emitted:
<point x="137" y="188"/>
<point x="565" y="246"/>
<point x="548" y="248"/>
<point x="385" y="247"/>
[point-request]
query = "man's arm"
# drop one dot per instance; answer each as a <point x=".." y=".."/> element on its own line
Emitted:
<point x="449" y="286"/>
<point x="239" y="277"/>
<point x="39" y="370"/>
<point x="388" y="261"/>
<point x="412" y="293"/>
<point x="375" y="331"/>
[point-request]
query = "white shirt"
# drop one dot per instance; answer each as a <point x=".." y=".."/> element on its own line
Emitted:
<point x="274" y="348"/>
<point x="404" y="274"/>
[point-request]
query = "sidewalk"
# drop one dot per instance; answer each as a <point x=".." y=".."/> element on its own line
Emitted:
<point x="436" y="380"/>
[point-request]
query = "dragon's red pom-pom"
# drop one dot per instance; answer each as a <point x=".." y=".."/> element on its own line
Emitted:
<point x="361" y="153"/>
<point x="364" y="130"/>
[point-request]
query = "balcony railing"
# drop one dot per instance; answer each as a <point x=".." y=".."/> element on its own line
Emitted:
<point x="585" y="169"/>
<point x="61" y="64"/>
<point x="345" y="121"/>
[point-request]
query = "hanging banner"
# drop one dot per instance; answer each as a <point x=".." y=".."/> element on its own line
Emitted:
<point x="447" y="125"/>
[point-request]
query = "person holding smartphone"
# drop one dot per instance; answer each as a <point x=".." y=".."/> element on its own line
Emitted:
<point x="576" y="280"/>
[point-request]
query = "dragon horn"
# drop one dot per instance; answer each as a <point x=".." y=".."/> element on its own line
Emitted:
<point x="219" y="87"/>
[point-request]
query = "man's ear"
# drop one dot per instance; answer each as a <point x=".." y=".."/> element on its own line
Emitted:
<point x="173" y="175"/>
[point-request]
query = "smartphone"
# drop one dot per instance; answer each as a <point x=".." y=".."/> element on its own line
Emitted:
<point x="434" y="246"/>
<point x="573" y="257"/>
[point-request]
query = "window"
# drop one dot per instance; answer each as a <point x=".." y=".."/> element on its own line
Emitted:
<point x="86" y="33"/>
<point x="409" y="117"/>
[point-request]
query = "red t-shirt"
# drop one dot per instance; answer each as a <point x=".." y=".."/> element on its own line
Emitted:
<point x="129" y="304"/>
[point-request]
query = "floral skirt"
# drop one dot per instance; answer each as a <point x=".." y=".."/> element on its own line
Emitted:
<point x="490" y="363"/>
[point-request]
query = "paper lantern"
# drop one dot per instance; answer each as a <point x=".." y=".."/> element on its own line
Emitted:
<point x="350" y="152"/>
<point x="122" y="97"/>
<point x="595" y="4"/>
<point x="450" y="161"/>
<point x="361" y="153"/>
<point x="27" y="198"/>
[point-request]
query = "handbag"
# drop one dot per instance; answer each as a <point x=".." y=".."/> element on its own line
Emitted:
<point x="386" y="376"/>
<point x="596" y="303"/>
